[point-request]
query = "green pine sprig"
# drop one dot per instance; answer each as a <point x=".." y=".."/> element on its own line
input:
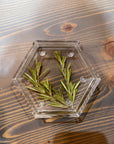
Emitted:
<point x="71" y="88"/>
<point x="44" y="88"/>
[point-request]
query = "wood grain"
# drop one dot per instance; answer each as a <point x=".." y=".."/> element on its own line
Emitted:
<point x="22" y="22"/>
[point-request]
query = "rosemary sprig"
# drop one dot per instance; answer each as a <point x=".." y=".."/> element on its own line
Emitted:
<point x="71" y="88"/>
<point x="44" y="88"/>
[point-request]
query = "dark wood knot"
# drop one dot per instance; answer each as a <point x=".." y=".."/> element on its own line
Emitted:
<point x="112" y="80"/>
<point x="109" y="47"/>
<point x="68" y="27"/>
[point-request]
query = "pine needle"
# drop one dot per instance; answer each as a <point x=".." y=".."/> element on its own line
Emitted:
<point x="71" y="88"/>
<point x="44" y="89"/>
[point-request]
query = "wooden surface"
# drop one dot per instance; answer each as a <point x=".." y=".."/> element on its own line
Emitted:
<point x="22" y="22"/>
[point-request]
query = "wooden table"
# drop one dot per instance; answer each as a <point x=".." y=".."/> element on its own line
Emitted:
<point x="22" y="22"/>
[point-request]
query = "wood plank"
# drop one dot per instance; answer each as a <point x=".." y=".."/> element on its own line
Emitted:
<point x="22" y="22"/>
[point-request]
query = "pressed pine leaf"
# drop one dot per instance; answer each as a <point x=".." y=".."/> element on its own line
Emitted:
<point x="69" y="87"/>
<point x="63" y="61"/>
<point x="27" y="76"/>
<point x="64" y="85"/>
<point x="74" y="94"/>
<point x="69" y="65"/>
<point x="77" y="84"/>
<point x="30" y="70"/>
<point x="38" y="67"/>
<point x="68" y="75"/>
<point x="50" y="89"/>
<point x="57" y="104"/>
<point x="32" y="88"/>
<point x="57" y="55"/>
<point x="46" y="96"/>
<point x="70" y="97"/>
<point x="34" y="75"/>
<point x="43" y="73"/>
<point x="37" y="89"/>
<point x="46" y="84"/>
<point x="60" y="99"/>
<point x="60" y="68"/>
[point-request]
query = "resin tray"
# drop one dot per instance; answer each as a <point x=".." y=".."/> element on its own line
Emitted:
<point x="43" y="51"/>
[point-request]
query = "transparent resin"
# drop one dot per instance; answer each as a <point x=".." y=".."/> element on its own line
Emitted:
<point x="81" y="70"/>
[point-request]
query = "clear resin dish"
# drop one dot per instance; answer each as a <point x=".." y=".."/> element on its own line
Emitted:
<point x="43" y="51"/>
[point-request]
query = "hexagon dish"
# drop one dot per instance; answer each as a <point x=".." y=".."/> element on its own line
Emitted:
<point x="81" y="70"/>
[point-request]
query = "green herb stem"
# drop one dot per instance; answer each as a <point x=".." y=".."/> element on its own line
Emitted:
<point x="71" y="88"/>
<point x="44" y="88"/>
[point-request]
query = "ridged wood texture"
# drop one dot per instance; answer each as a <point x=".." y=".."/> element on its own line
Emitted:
<point x="22" y="22"/>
